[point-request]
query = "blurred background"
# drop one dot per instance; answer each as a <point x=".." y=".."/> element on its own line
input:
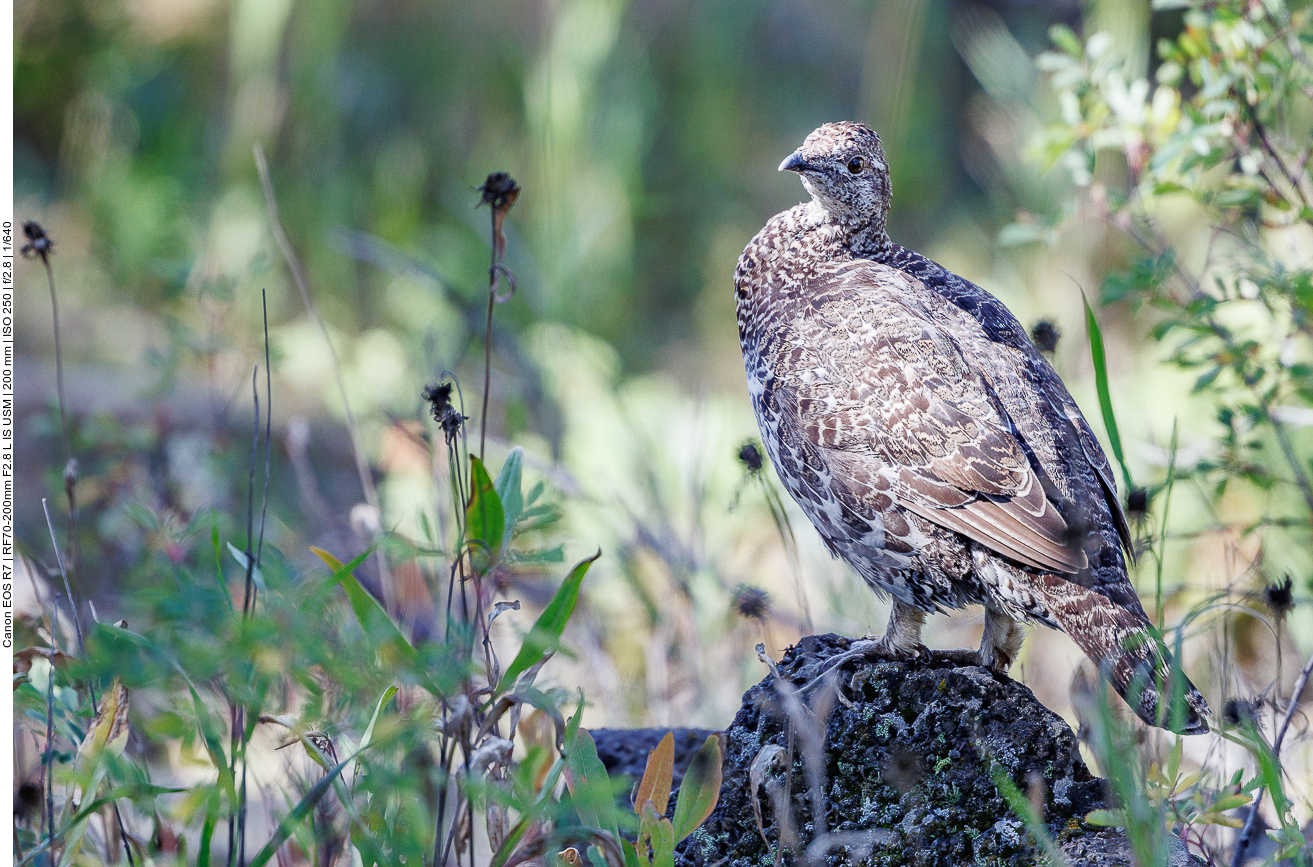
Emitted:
<point x="646" y="136"/>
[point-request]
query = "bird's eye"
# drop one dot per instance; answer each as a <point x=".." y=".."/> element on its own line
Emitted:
<point x="856" y="164"/>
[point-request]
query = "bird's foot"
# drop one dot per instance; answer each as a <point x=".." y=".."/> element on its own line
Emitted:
<point x="885" y="648"/>
<point x="868" y="648"/>
<point x="1001" y="641"/>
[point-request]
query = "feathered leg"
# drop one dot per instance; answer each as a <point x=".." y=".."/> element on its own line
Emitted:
<point x="1001" y="642"/>
<point x="902" y="638"/>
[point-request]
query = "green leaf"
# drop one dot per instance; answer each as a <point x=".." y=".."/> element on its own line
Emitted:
<point x="388" y="640"/>
<point x="218" y="568"/>
<point x="590" y="787"/>
<point x="699" y="790"/>
<point x="369" y="729"/>
<point x="485" y="520"/>
<point x="508" y="490"/>
<point x="1066" y="40"/>
<point x="207" y="830"/>
<point x="299" y="812"/>
<point x="210" y="737"/>
<point x="1099" y="357"/>
<point x="1106" y="818"/>
<point x="545" y="636"/>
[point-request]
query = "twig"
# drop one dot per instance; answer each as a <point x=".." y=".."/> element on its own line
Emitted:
<point x="40" y="246"/>
<point x="1246" y="835"/>
<point x="63" y="573"/>
<point x="247" y="601"/>
<point x="298" y="276"/>
<point x="50" y="748"/>
<point x="499" y="192"/>
<point x="268" y="425"/>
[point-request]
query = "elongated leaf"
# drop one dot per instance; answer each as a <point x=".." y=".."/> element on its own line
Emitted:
<point x="590" y="786"/>
<point x="369" y="729"/>
<point x="375" y="622"/>
<point x="210" y="738"/>
<point x="485" y="520"/>
<point x="1099" y="357"/>
<point x="257" y="577"/>
<point x="508" y="489"/>
<point x="699" y="790"/>
<point x="657" y="777"/>
<point x="299" y="812"/>
<point x="132" y="791"/>
<point x="545" y="636"/>
<point x="207" y="830"/>
<point x="218" y="569"/>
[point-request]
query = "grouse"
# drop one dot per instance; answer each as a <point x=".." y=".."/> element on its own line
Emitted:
<point x="929" y="441"/>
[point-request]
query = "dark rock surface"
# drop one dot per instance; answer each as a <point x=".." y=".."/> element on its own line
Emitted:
<point x="624" y="751"/>
<point x="906" y="761"/>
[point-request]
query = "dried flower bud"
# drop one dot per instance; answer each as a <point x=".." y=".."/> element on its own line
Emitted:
<point x="444" y="413"/>
<point x="1241" y="711"/>
<point x="751" y="602"/>
<point x="38" y="242"/>
<point x="1046" y="335"/>
<point x="1137" y="504"/>
<point x="751" y="457"/>
<point x="1280" y="596"/>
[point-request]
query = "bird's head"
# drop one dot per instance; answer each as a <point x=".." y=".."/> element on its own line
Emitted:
<point x="843" y="167"/>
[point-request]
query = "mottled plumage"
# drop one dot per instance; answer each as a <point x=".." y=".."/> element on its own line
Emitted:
<point x="929" y="441"/>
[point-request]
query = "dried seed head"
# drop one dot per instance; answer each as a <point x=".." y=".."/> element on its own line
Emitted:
<point x="751" y="602"/>
<point x="38" y="242"/>
<point x="444" y="413"/>
<point x="1137" y="504"/>
<point x="1280" y="596"/>
<point x="499" y="190"/>
<point x="1046" y="335"/>
<point x="902" y="769"/>
<point x="751" y="457"/>
<point x="27" y="802"/>
<point x="1241" y="711"/>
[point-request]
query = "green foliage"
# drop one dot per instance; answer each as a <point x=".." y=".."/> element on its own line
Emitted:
<point x="698" y="793"/>
<point x="294" y="657"/>
<point x="1222" y="133"/>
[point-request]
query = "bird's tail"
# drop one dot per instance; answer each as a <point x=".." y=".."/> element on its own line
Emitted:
<point x="1136" y="662"/>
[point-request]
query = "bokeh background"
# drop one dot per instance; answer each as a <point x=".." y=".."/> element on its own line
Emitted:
<point x="646" y="136"/>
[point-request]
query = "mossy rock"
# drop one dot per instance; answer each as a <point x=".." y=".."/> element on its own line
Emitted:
<point x="909" y="753"/>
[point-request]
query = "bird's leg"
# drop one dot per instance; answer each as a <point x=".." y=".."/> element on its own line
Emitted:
<point x="902" y="638"/>
<point x="1001" y="642"/>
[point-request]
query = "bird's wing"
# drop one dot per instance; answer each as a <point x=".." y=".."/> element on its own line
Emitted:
<point x="882" y="388"/>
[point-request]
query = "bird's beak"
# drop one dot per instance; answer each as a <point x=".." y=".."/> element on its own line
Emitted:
<point x="794" y="162"/>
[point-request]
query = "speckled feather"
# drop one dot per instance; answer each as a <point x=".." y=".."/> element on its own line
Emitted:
<point x="921" y="431"/>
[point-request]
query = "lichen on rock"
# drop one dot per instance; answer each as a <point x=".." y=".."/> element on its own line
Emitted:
<point x="908" y="753"/>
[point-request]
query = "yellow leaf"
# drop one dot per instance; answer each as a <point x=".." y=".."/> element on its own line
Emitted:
<point x="657" y="777"/>
<point x="109" y="731"/>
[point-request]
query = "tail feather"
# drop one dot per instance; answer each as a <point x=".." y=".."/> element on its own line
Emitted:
<point x="1136" y="663"/>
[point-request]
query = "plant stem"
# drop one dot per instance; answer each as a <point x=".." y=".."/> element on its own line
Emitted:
<point x="298" y="277"/>
<point x="1246" y="835"/>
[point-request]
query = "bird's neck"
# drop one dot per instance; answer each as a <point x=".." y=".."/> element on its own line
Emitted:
<point x="861" y="235"/>
<point x="867" y="238"/>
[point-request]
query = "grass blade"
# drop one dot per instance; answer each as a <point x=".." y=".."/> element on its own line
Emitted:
<point x="369" y="729"/>
<point x="1099" y="357"/>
